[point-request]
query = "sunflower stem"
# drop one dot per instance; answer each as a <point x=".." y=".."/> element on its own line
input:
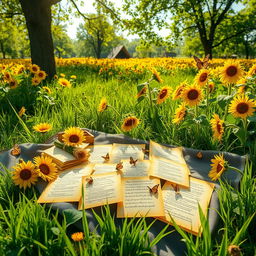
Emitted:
<point x="235" y="169"/>
<point x="150" y="98"/>
<point x="245" y="124"/>
<point x="226" y="108"/>
<point x="207" y="99"/>
<point x="114" y="110"/>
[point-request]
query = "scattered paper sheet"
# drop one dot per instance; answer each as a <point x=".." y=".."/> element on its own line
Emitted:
<point x="183" y="204"/>
<point x="67" y="186"/>
<point x="125" y="151"/>
<point x="98" y="152"/>
<point x="103" y="168"/>
<point x="139" y="169"/>
<point x="138" y="200"/>
<point x="174" y="154"/>
<point x="104" y="189"/>
<point x="170" y="171"/>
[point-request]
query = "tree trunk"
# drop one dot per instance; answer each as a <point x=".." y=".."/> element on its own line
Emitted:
<point x="207" y="48"/>
<point x="246" y="48"/>
<point x="38" y="19"/>
<point x="2" y="49"/>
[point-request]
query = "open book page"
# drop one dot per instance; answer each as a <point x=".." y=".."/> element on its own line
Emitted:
<point x="139" y="200"/>
<point x="98" y="152"/>
<point x="138" y="169"/>
<point x="170" y="171"/>
<point x="59" y="154"/>
<point x="104" y="189"/>
<point x="125" y="151"/>
<point x="67" y="186"/>
<point x="183" y="204"/>
<point x="103" y="168"/>
<point x="174" y="154"/>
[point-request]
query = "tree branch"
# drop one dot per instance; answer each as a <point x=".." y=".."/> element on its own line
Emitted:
<point x="232" y="36"/>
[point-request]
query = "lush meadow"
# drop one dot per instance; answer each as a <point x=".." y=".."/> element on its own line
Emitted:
<point x="167" y="100"/>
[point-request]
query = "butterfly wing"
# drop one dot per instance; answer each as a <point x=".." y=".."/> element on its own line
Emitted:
<point x="154" y="189"/>
<point x="16" y="150"/>
<point x="199" y="63"/>
<point x="89" y="180"/>
<point x="131" y="160"/>
<point x="206" y="61"/>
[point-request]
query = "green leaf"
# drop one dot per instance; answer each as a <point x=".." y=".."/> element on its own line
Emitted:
<point x="240" y="133"/>
<point x="223" y="100"/>
<point x="55" y="231"/>
<point x="230" y="119"/>
<point x="202" y="119"/>
<point x="72" y="216"/>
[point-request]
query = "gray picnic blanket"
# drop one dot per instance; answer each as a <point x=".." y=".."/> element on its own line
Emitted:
<point x="199" y="168"/>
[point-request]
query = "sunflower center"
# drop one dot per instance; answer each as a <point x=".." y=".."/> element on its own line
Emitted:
<point x="219" y="167"/>
<point x="74" y="138"/>
<point x="203" y="77"/>
<point x="231" y="71"/>
<point x="64" y="83"/>
<point x="44" y="168"/>
<point x="242" y="108"/>
<point x="130" y="122"/>
<point x="218" y="127"/>
<point x="163" y="93"/>
<point x="25" y="174"/>
<point x="40" y="74"/>
<point x="193" y="94"/>
<point x="12" y="84"/>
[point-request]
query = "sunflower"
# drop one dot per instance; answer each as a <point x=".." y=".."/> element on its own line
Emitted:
<point x="42" y="127"/>
<point x="13" y="83"/>
<point x="62" y="75"/>
<point x="142" y="92"/>
<point x="78" y="236"/>
<point x="231" y="72"/>
<point x="180" y="113"/>
<point x="241" y="90"/>
<point x="217" y="127"/>
<point x="46" y="169"/>
<point x="129" y="123"/>
<point x="202" y="77"/>
<point x="7" y="76"/>
<point x="73" y="136"/>
<point x="242" y="106"/>
<point x="103" y="105"/>
<point x="64" y="82"/>
<point x="22" y="111"/>
<point x="73" y="77"/>
<point x="218" y="167"/>
<point x="156" y="75"/>
<point x="192" y="95"/>
<point x="24" y="175"/>
<point x="163" y="94"/>
<point x="252" y="70"/>
<point x="47" y="89"/>
<point x="178" y="91"/>
<point x="34" y="68"/>
<point x="211" y="86"/>
<point x="36" y="80"/>
<point x="41" y="74"/>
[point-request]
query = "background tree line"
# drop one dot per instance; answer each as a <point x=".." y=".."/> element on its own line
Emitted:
<point x="37" y="28"/>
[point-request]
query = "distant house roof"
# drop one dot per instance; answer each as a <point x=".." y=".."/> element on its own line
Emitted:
<point x="120" y="52"/>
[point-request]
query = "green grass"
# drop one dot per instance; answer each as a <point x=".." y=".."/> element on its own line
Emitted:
<point x="21" y="216"/>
